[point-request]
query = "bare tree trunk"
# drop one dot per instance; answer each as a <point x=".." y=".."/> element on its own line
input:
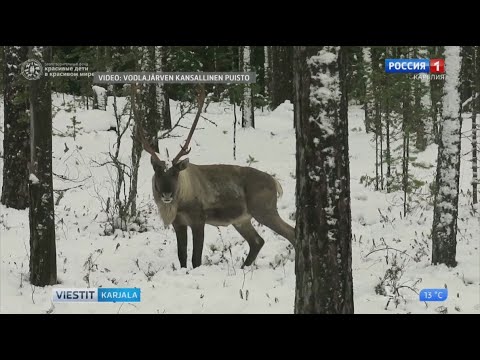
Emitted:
<point x="376" y="160"/>
<point x="146" y="107"/>
<point x="445" y="213"/>
<point x="388" y="154"/>
<point x="267" y="70"/>
<point x="475" y="111"/>
<point x="248" y="119"/>
<point x="163" y="102"/>
<point x="323" y="264"/>
<point x="368" y="105"/>
<point x="43" y="262"/>
<point x="16" y="142"/>
<point x="234" y="131"/>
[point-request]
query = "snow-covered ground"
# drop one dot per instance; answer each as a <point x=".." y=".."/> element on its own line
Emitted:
<point x="148" y="260"/>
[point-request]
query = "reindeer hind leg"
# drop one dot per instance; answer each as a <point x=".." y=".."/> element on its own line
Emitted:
<point x="254" y="240"/>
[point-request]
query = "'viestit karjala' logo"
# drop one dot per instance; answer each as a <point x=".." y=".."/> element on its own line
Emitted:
<point x="32" y="69"/>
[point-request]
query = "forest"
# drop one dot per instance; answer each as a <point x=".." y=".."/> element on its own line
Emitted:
<point x="376" y="175"/>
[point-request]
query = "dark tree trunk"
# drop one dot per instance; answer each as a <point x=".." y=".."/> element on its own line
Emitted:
<point x="100" y="50"/>
<point x="281" y="84"/>
<point x="421" y="140"/>
<point x="136" y="156"/>
<point x="109" y="52"/>
<point x="43" y="261"/>
<point x="445" y="212"/>
<point x="136" y="153"/>
<point x="436" y="88"/>
<point x="16" y="142"/>
<point x="323" y="265"/>
<point x="407" y="121"/>
<point x="388" y="156"/>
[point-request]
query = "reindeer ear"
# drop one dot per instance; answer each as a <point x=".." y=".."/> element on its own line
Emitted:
<point x="182" y="165"/>
<point x="157" y="164"/>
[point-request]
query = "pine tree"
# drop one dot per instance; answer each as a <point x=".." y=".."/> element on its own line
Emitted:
<point x="444" y="231"/>
<point x="323" y="265"/>
<point x="43" y="262"/>
<point x="281" y="84"/>
<point x="16" y="143"/>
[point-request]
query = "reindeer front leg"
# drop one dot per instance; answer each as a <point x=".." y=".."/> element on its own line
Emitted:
<point x="181" y="231"/>
<point x="198" y="237"/>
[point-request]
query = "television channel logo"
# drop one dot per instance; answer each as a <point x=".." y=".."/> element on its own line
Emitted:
<point x="413" y="66"/>
<point x="113" y="295"/>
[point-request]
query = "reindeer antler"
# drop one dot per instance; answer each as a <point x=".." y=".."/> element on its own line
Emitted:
<point x="185" y="150"/>
<point x="140" y="136"/>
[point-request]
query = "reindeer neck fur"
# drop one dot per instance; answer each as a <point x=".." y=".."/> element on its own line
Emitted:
<point x="185" y="192"/>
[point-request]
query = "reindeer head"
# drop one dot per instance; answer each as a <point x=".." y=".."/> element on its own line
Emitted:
<point x="166" y="178"/>
<point x="166" y="173"/>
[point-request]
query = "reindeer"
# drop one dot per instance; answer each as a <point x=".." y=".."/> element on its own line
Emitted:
<point x="189" y="195"/>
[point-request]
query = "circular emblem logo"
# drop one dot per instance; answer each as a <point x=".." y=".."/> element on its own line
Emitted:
<point x="32" y="69"/>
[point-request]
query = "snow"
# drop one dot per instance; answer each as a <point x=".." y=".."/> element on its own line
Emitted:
<point x="101" y="95"/>
<point x="99" y="90"/>
<point x="326" y="88"/>
<point x="148" y="260"/>
<point x="33" y="179"/>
